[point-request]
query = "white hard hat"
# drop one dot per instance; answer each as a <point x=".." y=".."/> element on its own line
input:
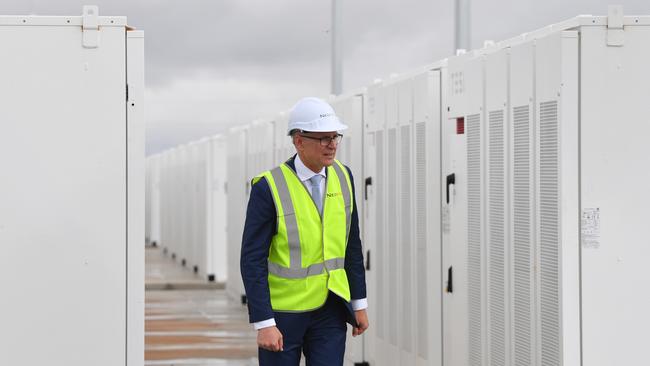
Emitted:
<point x="314" y="115"/>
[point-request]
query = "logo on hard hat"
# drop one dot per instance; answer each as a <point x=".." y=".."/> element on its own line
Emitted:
<point x="326" y="115"/>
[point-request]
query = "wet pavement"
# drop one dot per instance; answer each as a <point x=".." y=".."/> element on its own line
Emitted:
<point x="193" y="322"/>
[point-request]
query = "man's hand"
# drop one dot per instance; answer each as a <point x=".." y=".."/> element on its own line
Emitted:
<point x="362" y="322"/>
<point x="270" y="339"/>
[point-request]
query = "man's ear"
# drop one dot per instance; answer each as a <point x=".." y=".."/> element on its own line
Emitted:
<point x="297" y="142"/>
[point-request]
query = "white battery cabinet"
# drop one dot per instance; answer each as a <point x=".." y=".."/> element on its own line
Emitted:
<point x="147" y="200"/>
<point x="180" y="203"/>
<point x="152" y="200"/>
<point x="545" y="175"/>
<point x="135" y="257"/>
<point x="192" y="205"/>
<point x="199" y="198"/>
<point x="265" y="145"/>
<point x="284" y="148"/>
<point x="279" y="138"/>
<point x="168" y="198"/>
<point x="208" y="202"/>
<point x="176" y="208"/>
<point x="261" y="146"/>
<point x="183" y="213"/>
<point x="237" y="198"/>
<point x="401" y="219"/>
<point x="349" y="108"/>
<point x="72" y="191"/>
<point x="163" y="164"/>
<point x="217" y="214"/>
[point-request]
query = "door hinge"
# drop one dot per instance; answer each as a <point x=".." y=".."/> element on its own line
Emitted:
<point x="90" y="26"/>
<point x="615" y="30"/>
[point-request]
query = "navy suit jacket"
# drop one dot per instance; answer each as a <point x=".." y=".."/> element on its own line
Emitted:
<point x="261" y="226"/>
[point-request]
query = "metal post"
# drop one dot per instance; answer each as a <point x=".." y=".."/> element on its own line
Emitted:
<point x="337" y="50"/>
<point x="462" y="25"/>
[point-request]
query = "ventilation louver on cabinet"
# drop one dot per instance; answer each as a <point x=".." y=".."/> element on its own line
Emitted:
<point x="496" y="231"/>
<point x="549" y="233"/>
<point x="474" y="237"/>
<point x="522" y="240"/>
<point x="405" y="242"/>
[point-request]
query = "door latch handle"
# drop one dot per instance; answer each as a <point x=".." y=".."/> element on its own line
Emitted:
<point x="368" y="182"/>
<point x="368" y="260"/>
<point x="451" y="179"/>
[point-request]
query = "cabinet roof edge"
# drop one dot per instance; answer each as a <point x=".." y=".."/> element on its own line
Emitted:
<point x="77" y="20"/>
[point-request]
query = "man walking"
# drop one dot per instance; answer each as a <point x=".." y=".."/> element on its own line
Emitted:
<point x="301" y="257"/>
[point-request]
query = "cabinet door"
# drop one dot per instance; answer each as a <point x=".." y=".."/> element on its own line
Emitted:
<point x="63" y="134"/>
<point x="614" y="196"/>
<point x="427" y="296"/>
<point x="463" y="220"/>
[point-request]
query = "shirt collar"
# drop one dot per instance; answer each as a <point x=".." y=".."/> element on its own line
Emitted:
<point x="303" y="172"/>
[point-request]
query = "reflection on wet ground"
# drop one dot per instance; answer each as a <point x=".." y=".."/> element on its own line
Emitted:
<point x="200" y="325"/>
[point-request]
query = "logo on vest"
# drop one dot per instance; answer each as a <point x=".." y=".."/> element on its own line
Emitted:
<point x="335" y="194"/>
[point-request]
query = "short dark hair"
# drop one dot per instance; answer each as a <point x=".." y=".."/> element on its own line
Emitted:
<point x="294" y="131"/>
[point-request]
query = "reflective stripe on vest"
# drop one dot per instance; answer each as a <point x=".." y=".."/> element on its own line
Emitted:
<point x="314" y="269"/>
<point x="307" y="253"/>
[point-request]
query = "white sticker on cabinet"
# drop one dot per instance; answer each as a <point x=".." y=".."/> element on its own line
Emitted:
<point x="590" y="228"/>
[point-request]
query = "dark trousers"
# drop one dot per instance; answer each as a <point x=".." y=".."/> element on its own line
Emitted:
<point x="319" y="334"/>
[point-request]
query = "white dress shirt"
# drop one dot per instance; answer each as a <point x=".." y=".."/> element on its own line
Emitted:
<point x="305" y="174"/>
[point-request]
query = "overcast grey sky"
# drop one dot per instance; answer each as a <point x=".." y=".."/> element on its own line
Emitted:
<point x="214" y="64"/>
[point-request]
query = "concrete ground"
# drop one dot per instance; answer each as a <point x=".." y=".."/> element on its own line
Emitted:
<point x="189" y="321"/>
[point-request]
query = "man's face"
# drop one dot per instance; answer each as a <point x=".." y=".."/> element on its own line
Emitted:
<point x="312" y="152"/>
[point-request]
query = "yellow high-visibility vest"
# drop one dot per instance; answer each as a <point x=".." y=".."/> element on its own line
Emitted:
<point x="307" y="254"/>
